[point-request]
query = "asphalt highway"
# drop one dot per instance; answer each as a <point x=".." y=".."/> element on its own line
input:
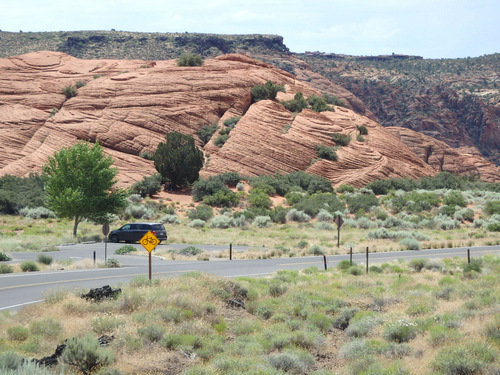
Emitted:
<point x="21" y="289"/>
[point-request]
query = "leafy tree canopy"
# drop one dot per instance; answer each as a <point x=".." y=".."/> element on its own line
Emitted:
<point x="19" y="192"/>
<point x="80" y="183"/>
<point x="178" y="160"/>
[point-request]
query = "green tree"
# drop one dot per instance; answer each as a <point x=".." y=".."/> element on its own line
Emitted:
<point x="80" y="183"/>
<point x="178" y="160"/>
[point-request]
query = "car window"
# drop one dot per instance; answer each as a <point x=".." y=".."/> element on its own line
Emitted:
<point x="134" y="226"/>
<point x="144" y="227"/>
<point x="125" y="227"/>
<point x="158" y="227"/>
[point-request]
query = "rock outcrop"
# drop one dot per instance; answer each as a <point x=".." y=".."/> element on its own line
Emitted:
<point x="463" y="161"/>
<point x="129" y="105"/>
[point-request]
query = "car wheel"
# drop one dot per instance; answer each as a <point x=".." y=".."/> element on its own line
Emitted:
<point x="114" y="238"/>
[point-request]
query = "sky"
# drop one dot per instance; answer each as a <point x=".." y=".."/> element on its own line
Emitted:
<point x="427" y="28"/>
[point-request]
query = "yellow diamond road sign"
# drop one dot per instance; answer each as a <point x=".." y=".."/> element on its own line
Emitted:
<point x="149" y="241"/>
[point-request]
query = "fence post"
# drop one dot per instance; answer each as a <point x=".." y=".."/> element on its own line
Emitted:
<point x="367" y="259"/>
<point x="350" y="257"/>
<point x="324" y="261"/>
<point x="230" y="251"/>
<point x="94" y="257"/>
<point x="468" y="256"/>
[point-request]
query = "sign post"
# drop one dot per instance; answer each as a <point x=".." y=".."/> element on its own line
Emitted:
<point x="105" y="231"/>
<point x="339" y="221"/>
<point x="149" y="242"/>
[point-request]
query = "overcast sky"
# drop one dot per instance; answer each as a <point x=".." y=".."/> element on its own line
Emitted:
<point x="428" y="28"/>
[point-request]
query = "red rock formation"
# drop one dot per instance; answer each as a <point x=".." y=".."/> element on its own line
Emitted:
<point x="129" y="106"/>
<point x="462" y="161"/>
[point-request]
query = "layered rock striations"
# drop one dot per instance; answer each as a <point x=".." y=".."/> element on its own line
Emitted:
<point x="128" y="106"/>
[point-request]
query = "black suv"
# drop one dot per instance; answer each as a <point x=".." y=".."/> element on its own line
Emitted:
<point x="133" y="232"/>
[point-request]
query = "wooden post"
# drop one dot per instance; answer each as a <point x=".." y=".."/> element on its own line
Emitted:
<point x="350" y="257"/>
<point x="230" y="251"/>
<point x="468" y="256"/>
<point x="324" y="261"/>
<point x="367" y="259"/>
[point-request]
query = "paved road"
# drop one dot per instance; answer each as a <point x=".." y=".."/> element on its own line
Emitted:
<point x="20" y="289"/>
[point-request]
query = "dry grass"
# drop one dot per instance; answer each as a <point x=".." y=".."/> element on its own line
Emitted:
<point x="196" y="305"/>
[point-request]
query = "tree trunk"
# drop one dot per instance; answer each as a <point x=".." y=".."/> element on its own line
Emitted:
<point x="75" y="226"/>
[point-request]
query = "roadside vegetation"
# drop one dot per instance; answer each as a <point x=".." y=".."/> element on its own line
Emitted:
<point x="420" y="317"/>
<point x="280" y="216"/>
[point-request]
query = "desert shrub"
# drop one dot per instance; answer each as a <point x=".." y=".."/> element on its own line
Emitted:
<point x="362" y="327"/>
<point x="446" y="223"/>
<point x="37" y="213"/>
<point x="148" y="186"/>
<point x="259" y="199"/>
<point x="323" y="225"/>
<point x="334" y="100"/>
<point x="240" y="186"/>
<point x="221" y="140"/>
<point x="493" y="227"/>
<point x="112" y="263"/>
<point x="69" y="91"/>
<point x="18" y="333"/>
<point x="316" y="250"/>
<point x="294" y="361"/>
<point x="173" y="341"/>
<point x="267" y="91"/>
<point x="344" y="264"/>
<point x="221" y="222"/>
<point x="492" y="329"/>
<point x="196" y="223"/>
<point x="202" y="212"/>
<point x="10" y="360"/>
<point x="262" y="222"/>
<point x="45" y="259"/>
<point x="190" y="251"/>
<point x="125" y="250"/>
<point x="346" y="188"/>
<point x="400" y="331"/>
<point x="318" y="103"/>
<point x="139" y="211"/>
<point x="86" y="355"/>
<point x="206" y="187"/>
<point x="278" y="214"/>
<point x="152" y="333"/>
<point x="231" y="122"/>
<point x="362" y="129"/>
<point x="297" y="104"/>
<point x="29" y="266"/>
<point x="454" y="198"/>
<point x="365" y="223"/>
<point x="230" y="179"/>
<point x="299" y="216"/>
<point x="325" y="152"/>
<point x="206" y="132"/>
<point x="492" y="207"/>
<point x="363" y="202"/>
<point x="170" y="219"/>
<point x="418" y="264"/>
<point x="341" y="139"/>
<point x="465" y="214"/>
<point x="6" y="268"/>
<point x="189" y="59"/>
<point x="312" y="204"/>
<point x="344" y="317"/>
<point x="383" y="187"/>
<point x="468" y="359"/>
<point x="222" y="198"/>
<point x="48" y="327"/>
<point x="324" y="215"/>
<point x="4" y="257"/>
<point x="277" y="288"/>
<point x="410" y="243"/>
